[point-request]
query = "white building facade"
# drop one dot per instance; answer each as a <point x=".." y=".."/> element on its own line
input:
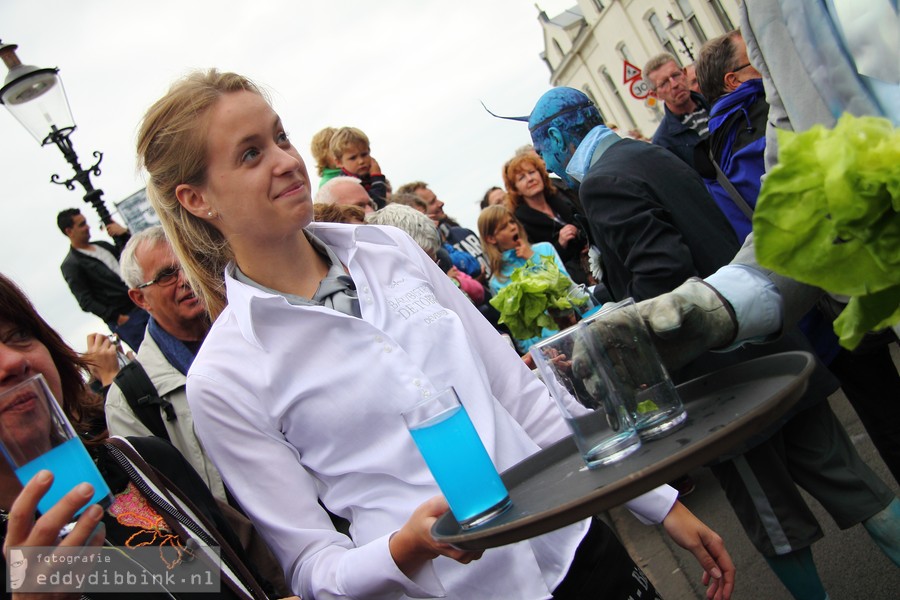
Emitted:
<point x="586" y="47"/>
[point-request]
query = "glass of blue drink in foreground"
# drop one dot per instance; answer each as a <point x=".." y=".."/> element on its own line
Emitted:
<point x="35" y="435"/>
<point x="457" y="459"/>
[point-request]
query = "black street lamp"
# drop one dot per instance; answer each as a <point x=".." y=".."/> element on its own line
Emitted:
<point x="675" y="27"/>
<point x="37" y="99"/>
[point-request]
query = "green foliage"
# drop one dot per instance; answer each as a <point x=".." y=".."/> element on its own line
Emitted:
<point x="534" y="290"/>
<point x="829" y="215"/>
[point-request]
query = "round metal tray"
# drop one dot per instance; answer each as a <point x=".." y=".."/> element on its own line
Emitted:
<point x="553" y="488"/>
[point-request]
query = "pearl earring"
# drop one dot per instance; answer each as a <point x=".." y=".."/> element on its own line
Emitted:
<point x="209" y="214"/>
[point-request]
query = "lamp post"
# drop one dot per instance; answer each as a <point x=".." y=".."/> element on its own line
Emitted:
<point x="36" y="98"/>
<point x="675" y="27"/>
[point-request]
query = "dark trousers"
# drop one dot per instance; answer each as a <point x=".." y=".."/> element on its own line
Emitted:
<point x="812" y="451"/>
<point x="602" y="570"/>
<point x="872" y="385"/>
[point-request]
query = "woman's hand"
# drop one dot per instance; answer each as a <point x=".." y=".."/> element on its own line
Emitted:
<point x="103" y="359"/>
<point x="567" y="234"/>
<point x="692" y="534"/>
<point x="24" y="530"/>
<point x="412" y="546"/>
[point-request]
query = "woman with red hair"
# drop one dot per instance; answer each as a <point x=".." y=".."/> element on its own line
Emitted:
<point x="546" y="215"/>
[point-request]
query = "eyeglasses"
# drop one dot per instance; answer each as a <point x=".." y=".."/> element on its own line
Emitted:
<point x="740" y="68"/>
<point x="165" y="278"/>
<point x="676" y="76"/>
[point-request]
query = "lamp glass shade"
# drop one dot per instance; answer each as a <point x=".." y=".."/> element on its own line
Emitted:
<point x="37" y="99"/>
<point x="675" y="27"/>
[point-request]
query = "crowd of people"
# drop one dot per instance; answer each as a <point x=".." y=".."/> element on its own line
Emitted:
<point x="279" y="333"/>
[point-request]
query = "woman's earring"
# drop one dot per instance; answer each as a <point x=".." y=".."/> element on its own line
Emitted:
<point x="209" y="214"/>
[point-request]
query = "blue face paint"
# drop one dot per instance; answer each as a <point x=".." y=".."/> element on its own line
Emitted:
<point x="565" y="108"/>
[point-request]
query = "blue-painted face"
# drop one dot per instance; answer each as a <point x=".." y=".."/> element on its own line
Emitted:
<point x="554" y="153"/>
<point x="563" y="107"/>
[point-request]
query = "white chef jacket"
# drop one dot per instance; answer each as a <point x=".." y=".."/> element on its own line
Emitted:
<point x="299" y="403"/>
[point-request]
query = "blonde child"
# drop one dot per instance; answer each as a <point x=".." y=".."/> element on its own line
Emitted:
<point x="321" y="151"/>
<point x="350" y="148"/>
<point x="506" y="246"/>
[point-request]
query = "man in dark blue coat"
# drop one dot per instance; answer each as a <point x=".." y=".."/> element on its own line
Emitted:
<point x="686" y="112"/>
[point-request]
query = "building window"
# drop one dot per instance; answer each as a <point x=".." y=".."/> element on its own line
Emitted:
<point x="618" y="96"/>
<point x="688" y="11"/>
<point x="624" y="52"/>
<point x="662" y="35"/>
<point x="721" y="15"/>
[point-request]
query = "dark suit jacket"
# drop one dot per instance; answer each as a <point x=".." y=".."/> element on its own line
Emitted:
<point x="97" y="289"/>
<point x="653" y="220"/>
<point x="656" y="226"/>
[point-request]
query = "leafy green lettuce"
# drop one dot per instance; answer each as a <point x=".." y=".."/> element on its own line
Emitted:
<point x="534" y="290"/>
<point x="829" y="215"/>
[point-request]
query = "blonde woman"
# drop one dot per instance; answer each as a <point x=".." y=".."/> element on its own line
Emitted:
<point x="323" y="334"/>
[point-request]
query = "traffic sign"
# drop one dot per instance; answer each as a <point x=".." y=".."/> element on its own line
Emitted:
<point x="631" y="72"/>
<point x="639" y="89"/>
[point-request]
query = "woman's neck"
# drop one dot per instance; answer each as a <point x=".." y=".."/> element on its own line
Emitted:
<point x="290" y="265"/>
<point x="539" y="203"/>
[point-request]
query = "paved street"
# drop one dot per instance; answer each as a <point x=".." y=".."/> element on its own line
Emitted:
<point x="850" y="565"/>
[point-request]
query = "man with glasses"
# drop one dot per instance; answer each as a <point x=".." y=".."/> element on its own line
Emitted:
<point x="91" y="269"/>
<point x="737" y="128"/>
<point x="178" y="325"/>
<point x="687" y="113"/>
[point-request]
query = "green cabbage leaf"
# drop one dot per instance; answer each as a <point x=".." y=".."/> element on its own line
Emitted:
<point x="532" y="292"/>
<point x="828" y="214"/>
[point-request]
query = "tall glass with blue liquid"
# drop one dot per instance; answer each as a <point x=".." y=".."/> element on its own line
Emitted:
<point x="36" y="435"/>
<point x="458" y="460"/>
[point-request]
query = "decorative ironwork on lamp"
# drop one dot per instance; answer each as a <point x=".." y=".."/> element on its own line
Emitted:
<point x="676" y="29"/>
<point x="36" y="97"/>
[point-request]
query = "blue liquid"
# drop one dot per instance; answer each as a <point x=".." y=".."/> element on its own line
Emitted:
<point x="70" y="464"/>
<point x="460" y="464"/>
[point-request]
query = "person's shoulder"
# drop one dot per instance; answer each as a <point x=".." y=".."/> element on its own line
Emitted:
<point x="154" y="449"/>
<point x="700" y="100"/>
<point x="105" y="245"/>
<point x="544" y="248"/>
<point x="70" y="259"/>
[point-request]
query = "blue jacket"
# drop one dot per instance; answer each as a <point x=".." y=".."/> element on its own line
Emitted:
<point x="737" y="138"/>
<point x="676" y="137"/>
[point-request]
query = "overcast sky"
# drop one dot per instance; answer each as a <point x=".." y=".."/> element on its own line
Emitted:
<point x="409" y="74"/>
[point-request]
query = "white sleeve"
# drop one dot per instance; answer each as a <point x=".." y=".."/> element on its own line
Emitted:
<point x="755" y="299"/>
<point x="651" y="508"/>
<point x="281" y="498"/>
